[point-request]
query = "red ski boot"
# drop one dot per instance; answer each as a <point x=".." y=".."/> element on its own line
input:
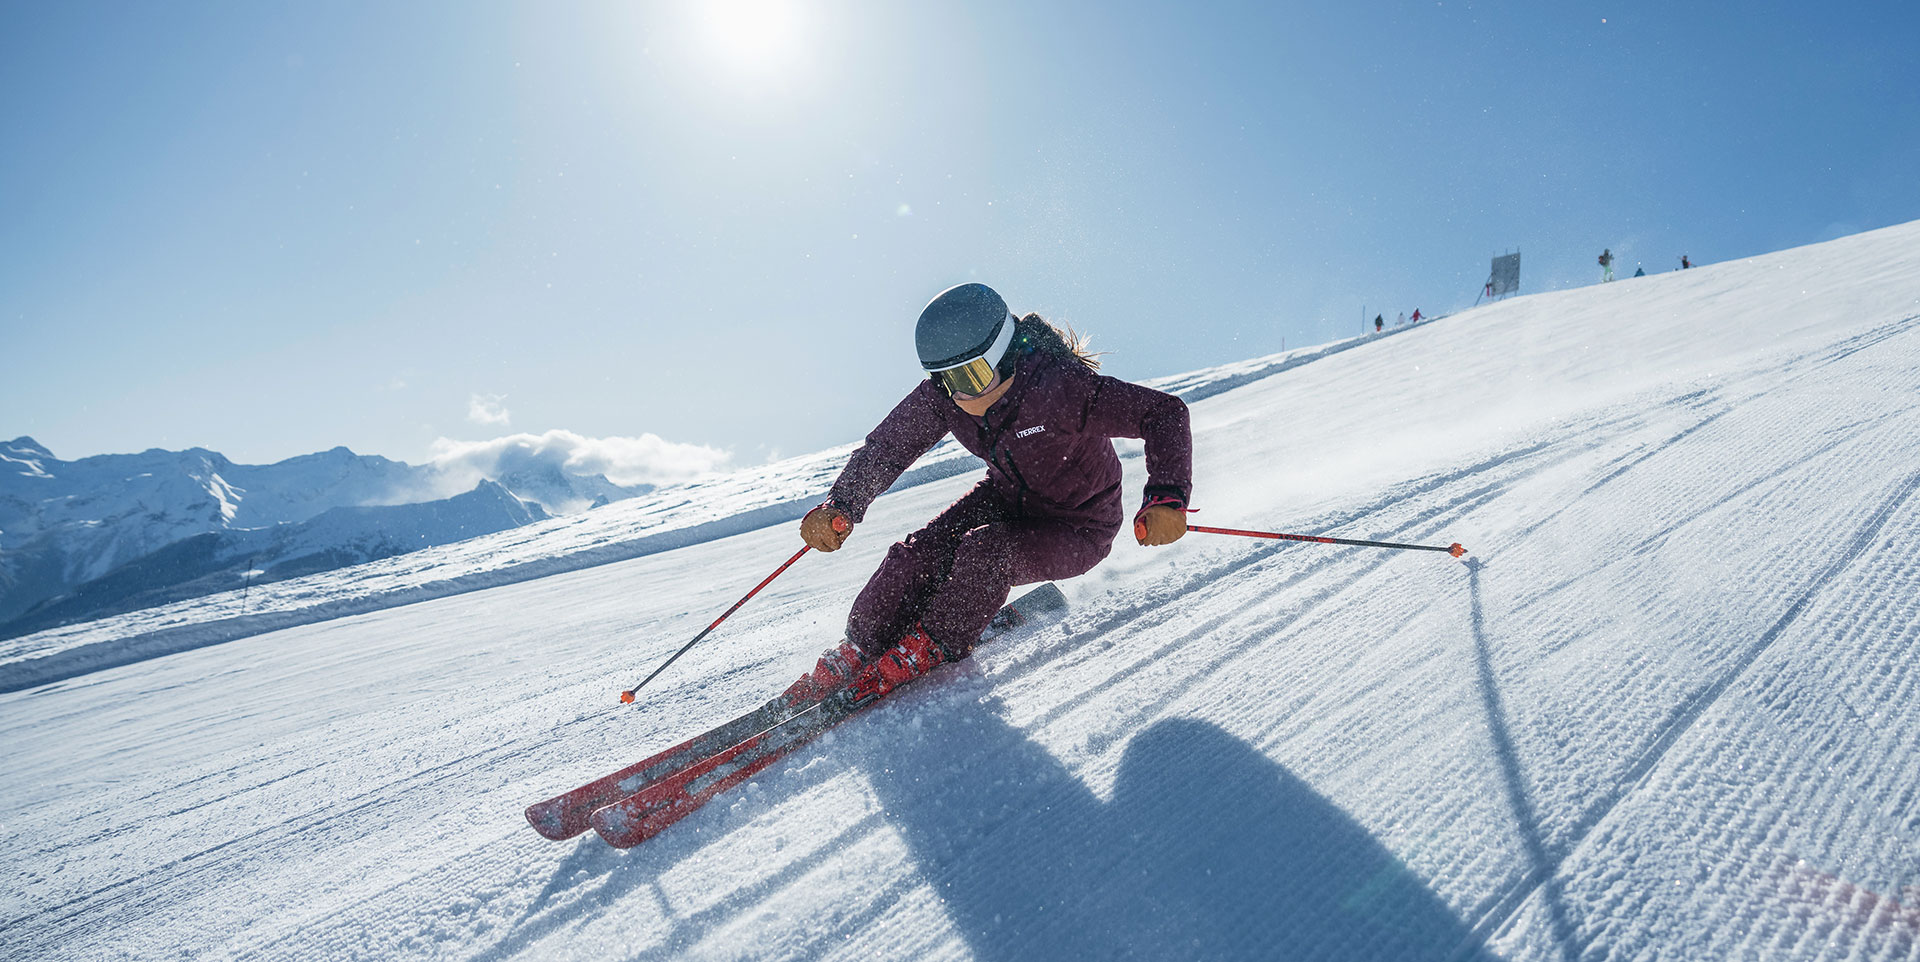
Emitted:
<point x="834" y="669"/>
<point x="915" y="655"/>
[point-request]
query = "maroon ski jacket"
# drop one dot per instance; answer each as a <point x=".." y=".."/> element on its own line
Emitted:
<point x="1047" y="444"/>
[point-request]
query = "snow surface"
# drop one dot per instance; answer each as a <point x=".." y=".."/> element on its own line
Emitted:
<point x="1667" y="710"/>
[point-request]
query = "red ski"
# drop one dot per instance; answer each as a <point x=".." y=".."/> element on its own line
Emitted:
<point x="565" y="815"/>
<point x="681" y="778"/>
<point x="642" y="815"/>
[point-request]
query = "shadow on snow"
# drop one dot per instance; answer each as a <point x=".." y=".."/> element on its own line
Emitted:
<point x="1207" y="849"/>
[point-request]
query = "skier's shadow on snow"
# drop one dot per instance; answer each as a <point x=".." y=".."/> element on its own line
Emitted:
<point x="1207" y="850"/>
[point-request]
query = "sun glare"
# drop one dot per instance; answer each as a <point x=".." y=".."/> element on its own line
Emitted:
<point x="755" y="37"/>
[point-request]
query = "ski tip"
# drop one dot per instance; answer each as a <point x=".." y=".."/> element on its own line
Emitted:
<point x="1457" y="551"/>
<point x="545" y="819"/>
<point x="613" y="824"/>
<point x="626" y="697"/>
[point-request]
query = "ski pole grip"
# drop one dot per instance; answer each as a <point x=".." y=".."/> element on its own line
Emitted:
<point x="841" y="524"/>
<point x="1139" y="529"/>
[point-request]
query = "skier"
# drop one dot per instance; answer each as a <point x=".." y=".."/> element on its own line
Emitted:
<point x="1416" y="315"/>
<point x="1606" y="265"/>
<point x="1685" y="264"/>
<point x="1378" y="323"/>
<point x="1639" y="271"/>
<point x="1026" y="399"/>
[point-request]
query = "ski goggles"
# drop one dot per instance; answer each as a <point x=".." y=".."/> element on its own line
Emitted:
<point x="972" y="376"/>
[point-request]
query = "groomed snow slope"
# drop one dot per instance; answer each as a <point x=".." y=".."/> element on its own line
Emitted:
<point x="1668" y="710"/>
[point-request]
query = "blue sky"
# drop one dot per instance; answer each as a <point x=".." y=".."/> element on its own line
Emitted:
<point x="273" y="229"/>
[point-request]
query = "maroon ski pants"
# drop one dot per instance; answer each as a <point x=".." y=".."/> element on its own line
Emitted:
<point x="954" y="574"/>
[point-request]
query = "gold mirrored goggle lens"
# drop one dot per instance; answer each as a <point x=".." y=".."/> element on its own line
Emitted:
<point x="971" y="378"/>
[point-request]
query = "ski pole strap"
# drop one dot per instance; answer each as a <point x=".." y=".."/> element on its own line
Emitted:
<point x="1453" y="549"/>
<point x="626" y="697"/>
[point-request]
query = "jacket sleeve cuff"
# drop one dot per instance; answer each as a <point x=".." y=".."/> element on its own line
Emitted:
<point x="1156" y="494"/>
<point x="839" y="506"/>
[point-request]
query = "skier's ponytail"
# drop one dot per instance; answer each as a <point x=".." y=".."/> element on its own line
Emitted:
<point x="1037" y="334"/>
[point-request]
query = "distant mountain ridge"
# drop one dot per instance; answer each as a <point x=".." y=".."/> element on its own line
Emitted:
<point x="108" y="533"/>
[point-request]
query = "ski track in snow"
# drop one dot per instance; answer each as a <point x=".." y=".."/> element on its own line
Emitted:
<point x="1665" y="710"/>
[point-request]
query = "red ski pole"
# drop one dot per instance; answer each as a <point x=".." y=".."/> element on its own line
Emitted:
<point x="626" y="697"/>
<point x="1453" y="549"/>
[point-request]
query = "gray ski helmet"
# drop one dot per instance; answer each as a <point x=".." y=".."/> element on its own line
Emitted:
<point x="961" y="323"/>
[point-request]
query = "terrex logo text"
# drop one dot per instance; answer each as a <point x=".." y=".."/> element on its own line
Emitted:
<point x="1036" y="429"/>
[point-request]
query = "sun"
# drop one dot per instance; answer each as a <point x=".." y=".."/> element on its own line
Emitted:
<point x="753" y="37"/>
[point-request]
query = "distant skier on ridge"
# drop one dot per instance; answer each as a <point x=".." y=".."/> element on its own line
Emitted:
<point x="1026" y="399"/>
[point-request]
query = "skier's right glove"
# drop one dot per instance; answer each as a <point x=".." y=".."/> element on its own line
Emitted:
<point x="1161" y="521"/>
<point x="825" y="528"/>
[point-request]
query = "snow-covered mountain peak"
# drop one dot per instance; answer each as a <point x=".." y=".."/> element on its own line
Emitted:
<point x="25" y="448"/>
<point x="67" y="523"/>
<point x="23" y="456"/>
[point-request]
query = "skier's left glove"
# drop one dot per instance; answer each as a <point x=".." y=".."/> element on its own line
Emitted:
<point x="1160" y="521"/>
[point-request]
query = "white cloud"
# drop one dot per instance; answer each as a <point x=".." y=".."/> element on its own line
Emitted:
<point x="647" y="459"/>
<point x="487" y="409"/>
